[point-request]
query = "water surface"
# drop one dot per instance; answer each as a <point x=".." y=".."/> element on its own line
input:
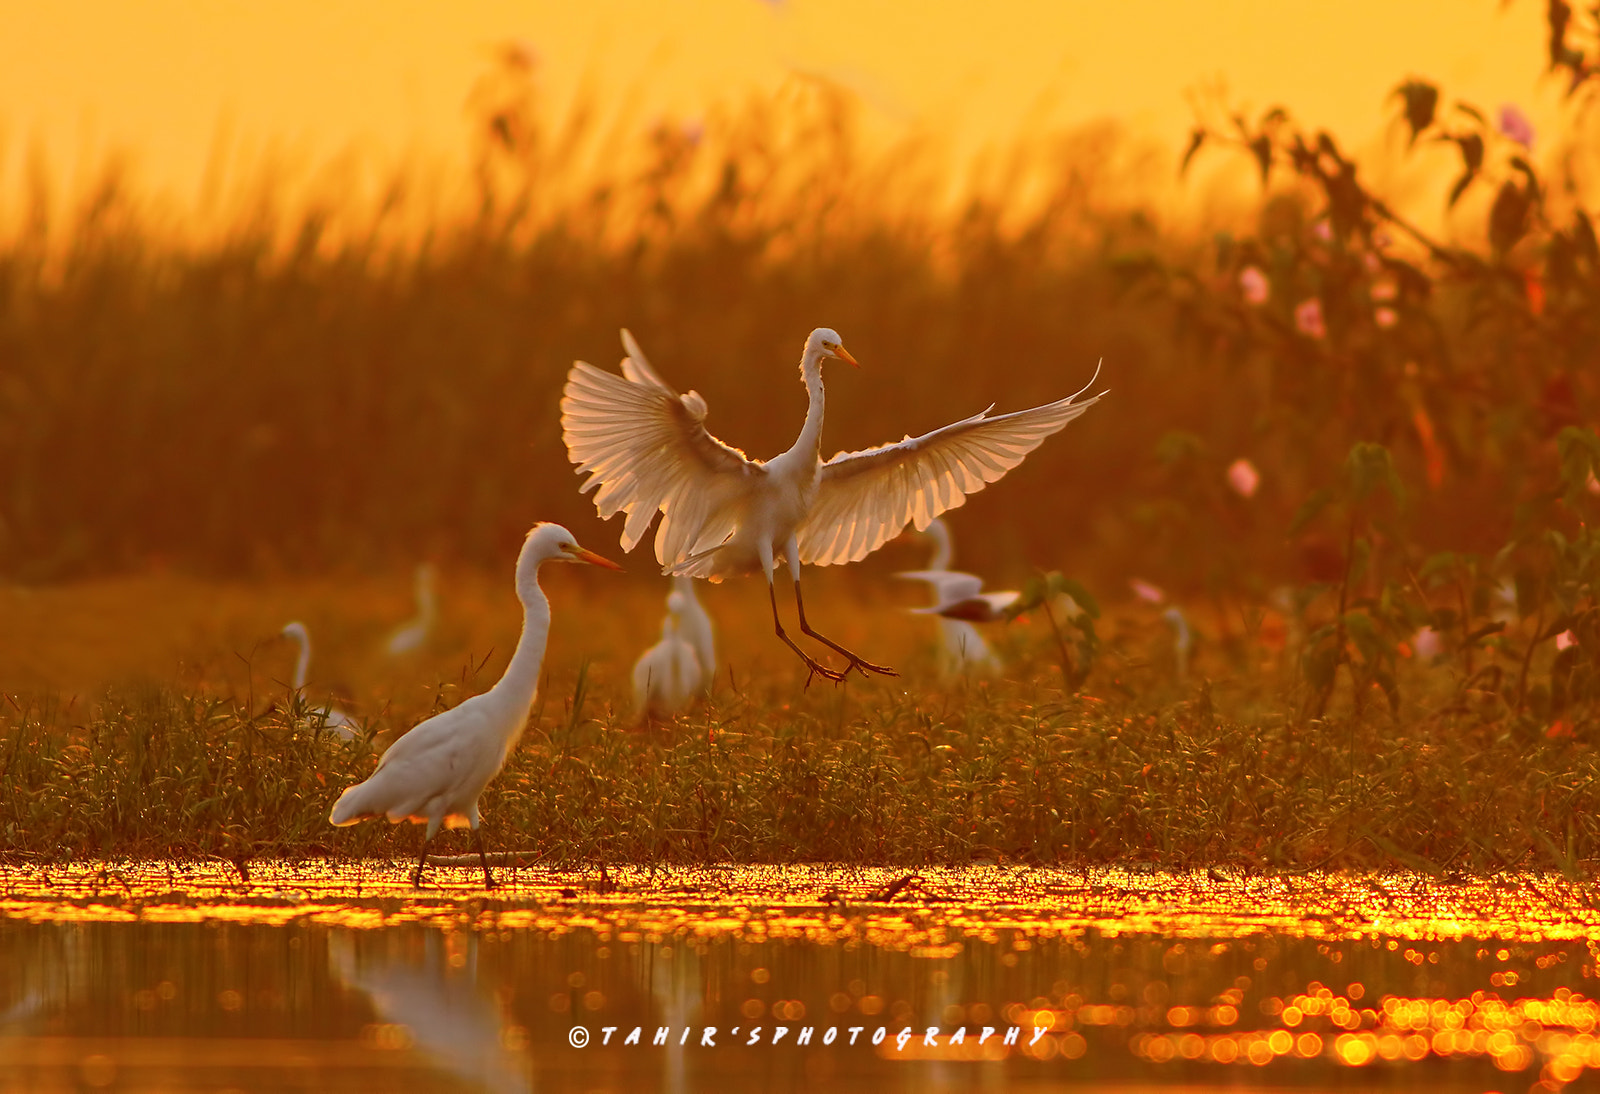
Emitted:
<point x="319" y="976"/>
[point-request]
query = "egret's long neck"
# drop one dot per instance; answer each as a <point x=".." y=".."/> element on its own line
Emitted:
<point x="810" y="438"/>
<point x="942" y="549"/>
<point x="521" y="680"/>
<point x="302" y="667"/>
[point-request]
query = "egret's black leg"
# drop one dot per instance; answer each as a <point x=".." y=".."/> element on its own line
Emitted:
<point x="856" y="662"/>
<point x="477" y="841"/>
<point x="422" y="856"/>
<point x="816" y="667"/>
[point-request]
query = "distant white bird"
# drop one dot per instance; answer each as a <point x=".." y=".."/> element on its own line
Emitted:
<point x="647" y="450"/>
<point x="962" y="648"/>
<point x="332" y="718"/>
<point x="694" y="623"/>
<point x="668" y="674"/>
<point x="412" y="634"/>
<point x="434" y="774"/>
<point x="1182" y="641"/>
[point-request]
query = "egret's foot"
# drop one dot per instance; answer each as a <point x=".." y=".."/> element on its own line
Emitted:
<point x="816" y="668"/>
<point x="857" y="662"/>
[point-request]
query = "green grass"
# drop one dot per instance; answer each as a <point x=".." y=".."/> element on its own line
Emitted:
<point x="1137" y="769"/>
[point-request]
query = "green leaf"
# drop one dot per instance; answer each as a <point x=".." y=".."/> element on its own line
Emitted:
<point x="1196" y="139"/>
<point x="1310" y="509"/>
<point x="1262" y="148"/>
<point x="1080" y="596"/>
<point x="1460" y="187"/>
<point x="1508" y="220"/>
<point x="1370" y="466"/>
<point x="1421" y="99"/>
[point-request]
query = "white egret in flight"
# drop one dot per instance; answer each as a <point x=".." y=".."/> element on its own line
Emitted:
<point x="413" y="633"/>
<point x="962" y="647"/>
<point x="333" y="719"/>
<point x="668" y="674"/>
<point x="646" y="448"/>
<point x="435" y="773"/>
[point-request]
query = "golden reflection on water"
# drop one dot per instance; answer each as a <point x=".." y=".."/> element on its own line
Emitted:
<point x="1111" y="974"/>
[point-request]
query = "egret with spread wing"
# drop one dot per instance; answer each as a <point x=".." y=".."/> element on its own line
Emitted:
<point x="957" y="598"/>
<point x="646" y="450"/>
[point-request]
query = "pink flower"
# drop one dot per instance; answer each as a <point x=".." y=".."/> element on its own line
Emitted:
<point x="1308" y="318"/>
<point x="1322" y="230"/>
<point x="1254" y="285"/>
<point x="1385" y="317"/>
<point x="1566" y="640"/>
<point x="1385" y="289"/>
<point x="1243" y="477"/>
<point x="1146" y="591"/>
<point x="1515" y="124"/>
<point x="1427" y="643"/>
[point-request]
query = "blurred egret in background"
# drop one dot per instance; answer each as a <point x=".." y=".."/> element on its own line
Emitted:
<point x="413" y="634"/>
<point x="435" y="774"/>
<point x="646" y="448"/>
<point x="961" y="649"/>
<point x="668" y="674"/>
<point x="694" y="623"/>
<point x="332" y="718"/>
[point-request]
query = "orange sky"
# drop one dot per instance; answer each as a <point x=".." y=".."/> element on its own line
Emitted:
<point x="386" y="79"/>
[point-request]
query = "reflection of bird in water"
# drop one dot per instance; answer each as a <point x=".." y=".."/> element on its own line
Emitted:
<point x="667" y="675"/>
<point x="327" y="717"/>
<point x="435" y="773"/>
<point x="450" y="1017"/>
<point x="411" y="635"/>
<point x="646" y="448"/>
<point x="962" y="648"/>
<point x="694" y="623"/>
<point x="679" y="990"/>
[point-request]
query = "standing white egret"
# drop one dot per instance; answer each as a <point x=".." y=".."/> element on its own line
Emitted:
<point x="413" y="633"/>
<point x="647" y="450"/>
<point x="668" y="674"/>
<point x="962" y="648"/>
<point x="694" y="623"/>
<point x="434" y="774"/>
<point x="333" y="719"/>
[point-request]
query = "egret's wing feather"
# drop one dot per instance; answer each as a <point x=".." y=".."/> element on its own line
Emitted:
<point x="647" y="450"/>
<point x="864" y="499"/>
<point x="947" y="584"/>
<point x="637" y="368"/>
<point x="1001" y="601"/>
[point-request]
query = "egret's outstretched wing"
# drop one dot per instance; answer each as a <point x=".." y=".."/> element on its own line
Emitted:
<point x="981" y="608"/>
<point x="948" y="585"/>
<point x="647" y="450"/>
<point x="865" y="498"/>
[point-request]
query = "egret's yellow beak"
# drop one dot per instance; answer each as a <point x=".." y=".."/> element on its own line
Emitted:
<point x="844" y="355"/>
<point x="580" y="554"/>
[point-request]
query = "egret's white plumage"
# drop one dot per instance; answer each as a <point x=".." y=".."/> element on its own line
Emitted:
<point x="332" y="718"/>
<point x="435" y="773"/>
<point x="645" y="449"/>
<point x="961" y="648"/>
<point x="694" y="624"/>
<point x="412" y="634"/>
<point x="668" y="674"/>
